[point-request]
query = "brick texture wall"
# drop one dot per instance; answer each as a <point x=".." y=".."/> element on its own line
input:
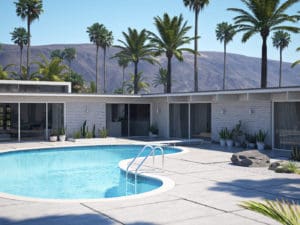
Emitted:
<point x="78" y="112"/>
<point x="254" y="116"/>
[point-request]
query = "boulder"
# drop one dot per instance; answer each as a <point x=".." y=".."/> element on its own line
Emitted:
<point x="274" y="165"/>
<point x="250" y="158"/>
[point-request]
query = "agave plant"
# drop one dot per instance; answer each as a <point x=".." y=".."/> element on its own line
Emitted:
<point x="284" y="212"/>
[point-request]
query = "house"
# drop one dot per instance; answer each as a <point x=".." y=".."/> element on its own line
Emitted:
<point x="30" y="110"/>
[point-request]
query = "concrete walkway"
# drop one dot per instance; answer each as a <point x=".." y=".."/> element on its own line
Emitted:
<point x="207" y="191"/>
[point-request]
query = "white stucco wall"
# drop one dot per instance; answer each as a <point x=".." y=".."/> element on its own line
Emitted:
<point x="254" y="115"/>
<point x="160" y="117"/>
<point x="78" y="112"/>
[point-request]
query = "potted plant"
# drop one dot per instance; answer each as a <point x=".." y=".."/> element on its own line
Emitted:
<point x="237" y="134"/>
<point x="222" y="135"/>
<point x="153" y="131"/>
<point x="229" y="138"/>
<point x="250" y="139"/>
<point x="62" y="134"/>
<point x="53" y="135"/>
<point x="260" y="139"/>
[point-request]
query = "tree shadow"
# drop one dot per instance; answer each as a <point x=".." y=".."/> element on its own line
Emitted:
<point x="274" y="188"/>
<point x="83" y="219"/>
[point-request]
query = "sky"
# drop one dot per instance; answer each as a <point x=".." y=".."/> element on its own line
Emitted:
<point x="66" y="22"/>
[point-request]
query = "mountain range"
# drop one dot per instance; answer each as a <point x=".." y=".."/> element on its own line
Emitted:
<point x="243" y="72"/>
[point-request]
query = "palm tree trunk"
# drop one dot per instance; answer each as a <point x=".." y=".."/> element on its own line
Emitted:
<point x="196" y="52"/>
<point x="280" y="68"/>
<point x="169" y="83"/>
<point x="97" y="87"/>
<point x="123" y="78"/>
<point x="264" y="63"/>
<point x="21" y="59"/>
<point x="224" y="69"/>
<point x="28" y="46"/>
<point x="70" y="70"/>
<point x="135" y="80"/>
<point x="104" y="70"/>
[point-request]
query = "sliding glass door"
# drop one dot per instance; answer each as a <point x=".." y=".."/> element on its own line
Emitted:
<point x="34" y="118"/>
<point x="33" y="121"/>
<point x="139" y="119"/>
<point x="200" y="121"/>
<point x="123" y="120"/>
<point x="8" y="122"/>
<point x="286" y="125"/>
<point x="179" y="120"/>
<point x="190" y="120"/>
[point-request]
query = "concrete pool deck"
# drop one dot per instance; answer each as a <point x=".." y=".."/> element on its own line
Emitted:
<point x="207" y="190"/>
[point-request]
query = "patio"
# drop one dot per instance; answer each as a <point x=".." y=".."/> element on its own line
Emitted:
<point x="207" y="190"/>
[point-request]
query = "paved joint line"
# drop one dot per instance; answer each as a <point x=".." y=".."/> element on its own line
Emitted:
<point x="208" y="206"/>
<point x="150" y="203"/>
<point x="101" y="213"/>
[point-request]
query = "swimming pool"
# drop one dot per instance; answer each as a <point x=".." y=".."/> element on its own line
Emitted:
<point x="86" y="172"/>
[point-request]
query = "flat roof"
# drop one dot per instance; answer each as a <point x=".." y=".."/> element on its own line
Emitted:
<point x="32" y="82"/>
<point x="273" y="90"/>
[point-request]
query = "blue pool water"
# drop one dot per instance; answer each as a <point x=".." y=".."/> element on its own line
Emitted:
<point x="71" y="172"/>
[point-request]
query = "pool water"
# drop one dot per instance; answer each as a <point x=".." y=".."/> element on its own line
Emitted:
<point x="72" y="172"/>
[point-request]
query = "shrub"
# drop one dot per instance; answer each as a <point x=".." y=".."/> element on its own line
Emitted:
<point x="89" y="134"/>
<point x="261" y="136"/>
<point x="84" y="129"/>
<point x="103" y="132"/>
<point x="153" y="129"/>
<point x="289" y="167"/>
<point x="94" y="131"/>
<point x="222" y="133"/>
<point x="77" y="134"/>
<point x="250" y="138"/>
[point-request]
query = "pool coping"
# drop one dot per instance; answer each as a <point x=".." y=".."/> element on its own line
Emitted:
<point x="167" y="183"/>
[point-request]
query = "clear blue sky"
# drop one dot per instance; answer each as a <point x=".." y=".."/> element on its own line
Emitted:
<point x="65" y="22"/>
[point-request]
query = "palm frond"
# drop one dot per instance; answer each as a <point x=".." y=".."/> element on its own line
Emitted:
<point x="282" y="211"/>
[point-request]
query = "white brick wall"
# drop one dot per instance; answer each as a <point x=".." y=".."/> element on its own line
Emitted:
<point x="78" y="112"/>
<point x="227" y="114"/>
<point x="160" y="117"/>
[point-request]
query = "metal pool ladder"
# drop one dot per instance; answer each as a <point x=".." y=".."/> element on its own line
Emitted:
<point x="151" y="152"/>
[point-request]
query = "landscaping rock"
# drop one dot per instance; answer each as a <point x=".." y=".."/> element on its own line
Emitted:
<point x="274" y="165"/>
<point x="250" y="158"/>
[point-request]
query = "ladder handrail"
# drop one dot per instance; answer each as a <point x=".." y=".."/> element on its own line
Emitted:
<point x="138" y="155"/>
<point x="152" y="151"/>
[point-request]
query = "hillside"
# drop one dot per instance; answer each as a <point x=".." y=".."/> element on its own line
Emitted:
<point x="243" y="71"/>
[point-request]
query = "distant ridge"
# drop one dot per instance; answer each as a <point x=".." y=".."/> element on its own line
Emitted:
<point x="243" y="71"/>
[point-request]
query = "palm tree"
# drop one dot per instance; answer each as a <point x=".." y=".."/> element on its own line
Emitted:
<point x="95" y="33"/>
<point x="20" y="37"/>
<point x="134" y="49"/>
<point x="172" y="36"/>
<point x="282" y="211"/>
<point x="77" y="82"/>
<point x="196" y="6"/>
<point x="69" y="54"/>
<point x="124" y="64"/>
<point x="30" y="10"/>
<point x="4" y="73"/>
<point x="52" y="70"/>
<point x="225" y="33"/>
<point x="263" y="17"/>
<point x="57" y="53"/>
<point x="161" y="78"/>
<point x="24" y="76"/>
<point x="281" y="40"/>
<point x="298" y="61"/>
<point x="106" y="42"/>
<point x="141" y="84"/>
